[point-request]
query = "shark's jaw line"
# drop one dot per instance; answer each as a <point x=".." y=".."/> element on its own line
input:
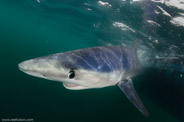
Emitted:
<point x="71" y="86"/>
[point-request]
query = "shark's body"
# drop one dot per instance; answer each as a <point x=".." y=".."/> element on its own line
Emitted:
<point x="90" y="68"/>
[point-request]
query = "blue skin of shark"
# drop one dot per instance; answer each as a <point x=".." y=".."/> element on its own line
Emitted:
<point x="95" y="67"/>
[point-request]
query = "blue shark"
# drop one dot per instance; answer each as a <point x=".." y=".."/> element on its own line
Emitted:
<point x="95" y="67"/>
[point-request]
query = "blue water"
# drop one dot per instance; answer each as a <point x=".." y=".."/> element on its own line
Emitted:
<point x="34" y="28"/>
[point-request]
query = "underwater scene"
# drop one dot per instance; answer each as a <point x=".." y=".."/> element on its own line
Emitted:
<point x="36" y="28"/>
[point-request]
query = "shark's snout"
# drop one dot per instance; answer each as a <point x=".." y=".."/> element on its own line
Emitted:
<point x="23" y="66"/>
<point x="20" y="66"/>
<point x="31" y="67"/>
<point x="43" y="67"/>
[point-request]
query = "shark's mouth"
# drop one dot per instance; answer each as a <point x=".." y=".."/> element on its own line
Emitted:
<point x="73" y="86"/>
<point x="70" y="85"/>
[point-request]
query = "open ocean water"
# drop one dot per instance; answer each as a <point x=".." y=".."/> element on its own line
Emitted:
<point x="34" y="28"/>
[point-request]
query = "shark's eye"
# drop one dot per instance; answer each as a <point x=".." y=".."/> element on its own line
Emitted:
<point x="71" y="74"/>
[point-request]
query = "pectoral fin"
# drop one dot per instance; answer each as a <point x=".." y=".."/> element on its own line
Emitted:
<point x="127" y="87"/>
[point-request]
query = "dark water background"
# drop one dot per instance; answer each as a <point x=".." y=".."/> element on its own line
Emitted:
<point x="30" y="28"/>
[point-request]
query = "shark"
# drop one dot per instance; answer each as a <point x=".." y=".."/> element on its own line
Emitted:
<point x="88" y="68"/>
